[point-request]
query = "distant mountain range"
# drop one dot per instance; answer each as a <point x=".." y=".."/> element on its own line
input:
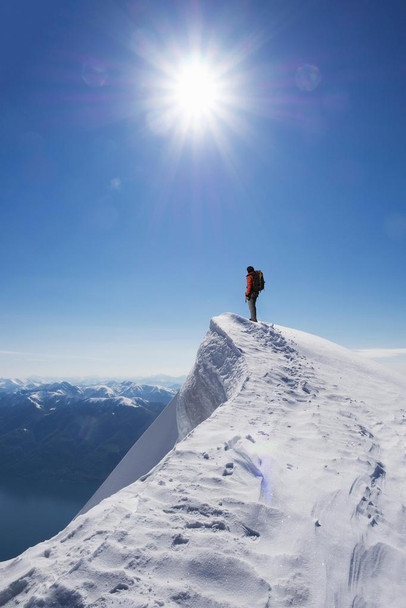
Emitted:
<point x="163" y="380"/>
<point x="59" y="431"/>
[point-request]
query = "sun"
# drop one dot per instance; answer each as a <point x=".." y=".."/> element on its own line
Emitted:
<point x="189" y="95"/>
<point x="196" y="90"/>
<point x="196" y="94"/>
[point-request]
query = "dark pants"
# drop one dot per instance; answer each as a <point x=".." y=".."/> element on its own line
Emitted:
<point x="252" y="306"/>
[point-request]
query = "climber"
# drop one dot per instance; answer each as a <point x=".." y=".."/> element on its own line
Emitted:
<point x="255" y="284"/>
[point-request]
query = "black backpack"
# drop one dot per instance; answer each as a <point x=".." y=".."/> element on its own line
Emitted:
<point x="258" y="281"/>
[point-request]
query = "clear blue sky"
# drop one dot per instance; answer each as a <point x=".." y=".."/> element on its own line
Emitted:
<point x="123" y="232"/>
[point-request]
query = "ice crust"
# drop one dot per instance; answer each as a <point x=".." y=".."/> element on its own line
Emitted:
<point x="287" y="488"/>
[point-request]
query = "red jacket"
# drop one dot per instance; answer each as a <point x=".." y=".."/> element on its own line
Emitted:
<point x="250" y="283"/>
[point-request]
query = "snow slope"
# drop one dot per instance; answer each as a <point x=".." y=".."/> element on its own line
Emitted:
<point x="217" y="374"/>
<point x="292" y="493"/>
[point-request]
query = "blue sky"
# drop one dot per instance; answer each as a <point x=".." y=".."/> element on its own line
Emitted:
<point x="123" y="232"/>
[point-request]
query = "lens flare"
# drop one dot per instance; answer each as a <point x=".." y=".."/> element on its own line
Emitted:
<point x="94" y="73"/>
<point x="308" y="77"/>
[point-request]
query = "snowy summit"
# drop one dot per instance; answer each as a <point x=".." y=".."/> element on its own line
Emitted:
<point x="287" y="487"/>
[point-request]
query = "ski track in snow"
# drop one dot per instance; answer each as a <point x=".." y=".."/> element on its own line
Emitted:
<point x="292" y="493"/>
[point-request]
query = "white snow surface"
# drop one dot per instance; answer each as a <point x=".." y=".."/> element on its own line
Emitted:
<point x="291" y="493"/>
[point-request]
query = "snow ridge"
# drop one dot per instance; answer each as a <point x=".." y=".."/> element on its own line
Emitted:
<point x="291" y="493"/>
<point x="218" y="375"/>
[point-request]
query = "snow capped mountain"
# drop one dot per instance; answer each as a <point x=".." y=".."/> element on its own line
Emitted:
<point x="145" y="391"/>
<point x="58" y="431"/>
<point x="132" y="390"/>
<point x="287" y="488"/>
<point x="172" y="382"/>
<point x="10" y="384"/>
<point x="98" y="390"/>
<point x="58" y="392"/>
<point x="50" y="394"/>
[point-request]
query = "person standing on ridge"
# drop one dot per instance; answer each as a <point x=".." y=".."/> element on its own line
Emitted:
<point x="255" y="284"/>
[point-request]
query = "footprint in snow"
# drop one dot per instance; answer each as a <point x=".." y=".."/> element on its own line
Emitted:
<point x="179" y="539"/>
<point x="229" y="469"/>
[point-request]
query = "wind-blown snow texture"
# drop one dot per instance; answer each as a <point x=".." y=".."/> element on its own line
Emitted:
<point x="292" y="493"/>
